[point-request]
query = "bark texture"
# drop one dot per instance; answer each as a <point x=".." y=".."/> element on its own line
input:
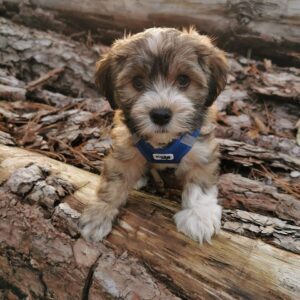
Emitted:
<point x="40" y="261"/>
<point x="255" y="196"/>
<point x="267" y="28"/>
<point x="28" y="53"/>
<point x="249" y="155"/>
<point x="146" y="229"/>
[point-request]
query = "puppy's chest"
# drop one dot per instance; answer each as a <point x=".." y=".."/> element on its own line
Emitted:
<point x="163" y="177"/>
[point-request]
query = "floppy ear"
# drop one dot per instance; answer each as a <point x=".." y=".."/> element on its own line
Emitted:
<point x="104" y="79"/>
<point x="218" y="66"/>
<point x="213" y="61"/>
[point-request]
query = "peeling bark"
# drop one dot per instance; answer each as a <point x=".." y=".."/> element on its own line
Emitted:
<point x="240" y="192"/>
<point x="250" y="155"/>
<point x="272" y="230"/>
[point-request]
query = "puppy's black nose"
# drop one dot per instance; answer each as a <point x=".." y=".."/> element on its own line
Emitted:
<point x="160" y="116"/>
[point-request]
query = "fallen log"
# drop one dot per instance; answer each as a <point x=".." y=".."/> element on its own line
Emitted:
<point x="237" y="192"/>
<point x="232" y="267"/>
<point x="34" y="55"/>
<point x="267" y="28"/>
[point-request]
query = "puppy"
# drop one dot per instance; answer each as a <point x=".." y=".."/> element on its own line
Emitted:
<point x="163" y="82"/>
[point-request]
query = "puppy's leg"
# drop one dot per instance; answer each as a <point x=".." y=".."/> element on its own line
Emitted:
<point x="200" y="216"/>
<point x="117" y="177"/>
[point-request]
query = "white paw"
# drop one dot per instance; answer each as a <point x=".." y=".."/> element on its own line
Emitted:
<point x="200" y="218"/>
<point x="199" y="223"/>
<point x="96" y="221"/>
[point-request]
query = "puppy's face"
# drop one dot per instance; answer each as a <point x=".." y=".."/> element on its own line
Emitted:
<point x="164" y="80"/>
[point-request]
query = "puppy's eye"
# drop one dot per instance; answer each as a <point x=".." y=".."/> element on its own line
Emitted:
<point x="138" y="83"/>
<point x="183" y="81"/>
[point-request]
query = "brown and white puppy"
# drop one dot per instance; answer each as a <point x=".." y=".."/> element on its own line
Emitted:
<point x="164" y="82"/>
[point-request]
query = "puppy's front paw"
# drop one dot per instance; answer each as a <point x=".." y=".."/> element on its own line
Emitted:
<point x="200" y="222"/>
<point x="96" y="221"/>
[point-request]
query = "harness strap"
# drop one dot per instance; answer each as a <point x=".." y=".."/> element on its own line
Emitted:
<point x="172" y="153"/>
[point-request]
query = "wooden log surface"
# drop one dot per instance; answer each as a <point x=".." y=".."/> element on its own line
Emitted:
<point x="232" y="267"/>
<point x="37" y="261"/>
<point x="267" y="28"/>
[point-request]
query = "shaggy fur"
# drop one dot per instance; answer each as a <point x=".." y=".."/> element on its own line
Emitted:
<point x="161" y="68"/>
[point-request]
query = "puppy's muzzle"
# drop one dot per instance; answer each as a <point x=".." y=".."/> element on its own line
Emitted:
<point x="161" y="116"/>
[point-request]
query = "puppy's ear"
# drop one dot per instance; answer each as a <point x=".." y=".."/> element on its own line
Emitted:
<point x="213" y="62"/>
<point x="104" y="79"/>
<point x="218" y="67"/>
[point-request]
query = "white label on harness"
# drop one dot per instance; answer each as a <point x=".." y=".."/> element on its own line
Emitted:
<point x="158" y="156"/>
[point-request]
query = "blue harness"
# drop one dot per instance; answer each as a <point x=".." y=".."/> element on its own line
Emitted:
<point x="172" y="153"/>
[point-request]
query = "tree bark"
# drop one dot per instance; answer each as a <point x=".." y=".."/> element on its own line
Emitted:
<point x="27" y="54"/>
<point x="37" y="261"/>
<point x="267" y="28"/>
<point x="250" y="155"/>
<point x="232" y="267"/>
<point x="271" y="230"/>
<point x="254" y="196"/>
